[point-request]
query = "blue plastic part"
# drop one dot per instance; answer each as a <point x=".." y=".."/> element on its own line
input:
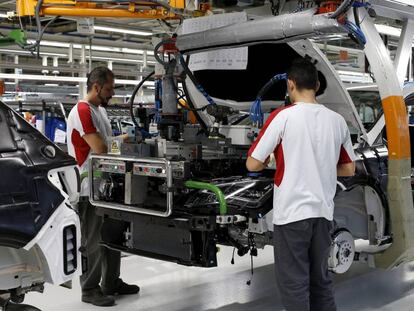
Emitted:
<point x="51" y="125"/>
<point x="254" y="174"/>
<point x="358" y="4"/>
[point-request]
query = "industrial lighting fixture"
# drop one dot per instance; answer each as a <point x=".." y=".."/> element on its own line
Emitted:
<point x="121" y="60"/>
<point x="18" y="52"/>
<point x="94" y="47"/>
<point x="76" y="46"/>
<point x="65" y="79"/>
<point x="122" y="30"/>
<point x="135" y="51"/>
<point x="125" y="60"/>
<point x="3" y="15"/>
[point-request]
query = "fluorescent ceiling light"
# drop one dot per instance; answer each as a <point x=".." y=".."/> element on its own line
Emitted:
<point x="124" y="60"/>
<point x="94" y="47"/>
<point x="27" y="52"/>
<point x="134" y="51"/>
<point x="3" y="15"/>
<point x="65" y="79"/>
<point x="121" y="60"/>
<point x="121" y="30"/>
<point x="75" y="46"/>
<point x="388" y="30"/>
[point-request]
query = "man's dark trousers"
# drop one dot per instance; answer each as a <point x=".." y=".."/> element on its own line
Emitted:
<point x="98" y="262"/>
<point x="301" y="264"/>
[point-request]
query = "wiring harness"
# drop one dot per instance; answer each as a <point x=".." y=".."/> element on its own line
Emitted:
<point x="256" y="114"/>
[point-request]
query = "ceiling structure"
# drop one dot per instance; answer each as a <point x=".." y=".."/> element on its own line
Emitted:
<point x="123" y="44"/>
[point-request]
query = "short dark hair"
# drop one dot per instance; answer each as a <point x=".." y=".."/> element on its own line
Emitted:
<point x="100" y="75"/>
<point x="304" y="74"/>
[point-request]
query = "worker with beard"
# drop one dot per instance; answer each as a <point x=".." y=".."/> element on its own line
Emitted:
<point x="88" y="130"/>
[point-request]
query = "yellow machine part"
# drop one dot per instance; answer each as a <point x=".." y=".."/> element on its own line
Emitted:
<point x="90" y="9"/>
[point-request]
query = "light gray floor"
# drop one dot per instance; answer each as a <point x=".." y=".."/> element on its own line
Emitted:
<point x="168" y="286"/>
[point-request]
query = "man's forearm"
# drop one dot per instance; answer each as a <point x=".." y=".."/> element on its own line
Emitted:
<point x="254" y="165"/>
<point x="345" y="170"/>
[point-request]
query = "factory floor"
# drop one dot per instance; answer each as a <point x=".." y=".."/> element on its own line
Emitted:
<point x="168" y="286"/>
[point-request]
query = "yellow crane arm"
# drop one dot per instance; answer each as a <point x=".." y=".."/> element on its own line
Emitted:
<point x="156" y="9"/>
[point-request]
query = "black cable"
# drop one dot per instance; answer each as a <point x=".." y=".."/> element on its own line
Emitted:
<point x="345" y="5"/>
<point x="188" y="71"/>
<point x="40" y="34"/>
<point x="132" y="98"/>
<point x="38" y="25"/>
<point x="194" y="80"/>
<point x="162" y="21"/>
<point x="356" y="17"/>
<point x="180" y="96"/>
<point x="157" y="57"/>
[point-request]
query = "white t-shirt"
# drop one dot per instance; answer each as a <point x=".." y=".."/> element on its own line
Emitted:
<point x="308" y="141"/>
<point x="108" y="127"/>
<point x="85" y="118"/>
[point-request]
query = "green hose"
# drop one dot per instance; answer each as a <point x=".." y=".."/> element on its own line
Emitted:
<point x="206" y="186"/>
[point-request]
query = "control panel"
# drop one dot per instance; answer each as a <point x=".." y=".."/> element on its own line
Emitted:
<point x="152" y="170"/>
<point x="139" y="185"/>
<point x="109" y="166"/>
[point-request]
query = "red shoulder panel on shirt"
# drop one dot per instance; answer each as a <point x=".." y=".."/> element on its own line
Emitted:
<point x="344" y="157"/>
<point x="80" y="146"/>
<point x="265" y="126"/>
<point x="85" y="117"/>
<point x="280" y="164"/>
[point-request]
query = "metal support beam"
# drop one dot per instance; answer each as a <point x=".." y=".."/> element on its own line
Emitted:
<point x="404" y="50"/>
<point x="65" y="79"/>
<point x="410" y="66"/>
<point x="399" y="195"/>
<point x="393" y="9"/>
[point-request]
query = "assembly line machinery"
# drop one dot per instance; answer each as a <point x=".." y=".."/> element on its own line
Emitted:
<point x="183" y="189"/>
<point x="188" y="187"/>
